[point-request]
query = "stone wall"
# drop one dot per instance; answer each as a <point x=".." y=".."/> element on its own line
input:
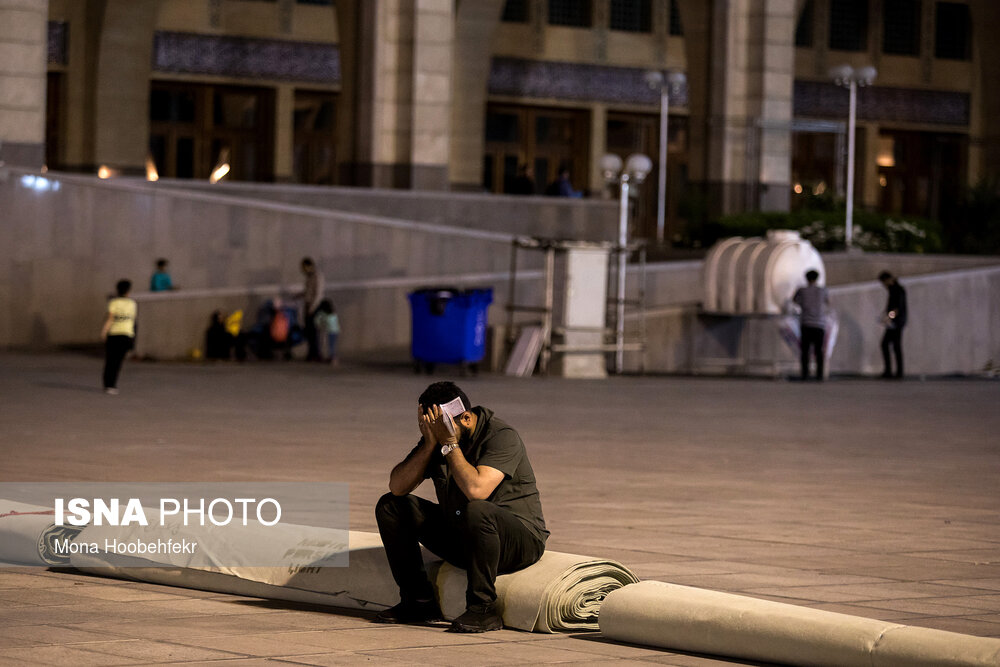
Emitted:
<point x="551" y="217"/>
<point x="67" y="239"/>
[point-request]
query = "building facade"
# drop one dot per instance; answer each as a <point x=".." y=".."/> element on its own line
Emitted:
<point x="470" y="94"/>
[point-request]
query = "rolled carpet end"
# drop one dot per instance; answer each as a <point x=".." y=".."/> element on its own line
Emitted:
<point x="663" y="615"/>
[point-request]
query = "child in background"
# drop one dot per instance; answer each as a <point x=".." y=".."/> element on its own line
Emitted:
<point x="118" y="334"/>
<point x="327" y="322"/>
<point x="160" y="281"/>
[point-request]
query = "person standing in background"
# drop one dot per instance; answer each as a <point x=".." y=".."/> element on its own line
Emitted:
<point x="118" y="334"/>
<point x="894" y="320"/>
<point x="813" y="301"/>
<point x="312" y="295"/>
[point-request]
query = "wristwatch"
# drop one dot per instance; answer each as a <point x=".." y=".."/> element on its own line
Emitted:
<point x="446" y="448"/>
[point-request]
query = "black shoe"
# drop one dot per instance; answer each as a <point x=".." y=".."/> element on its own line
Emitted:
<point x="412" y="612"/>
<point x="477" y="621"/>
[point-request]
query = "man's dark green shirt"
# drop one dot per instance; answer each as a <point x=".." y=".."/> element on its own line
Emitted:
<point x="495" y="444"/>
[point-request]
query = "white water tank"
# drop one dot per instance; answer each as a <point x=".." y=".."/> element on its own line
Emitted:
<point x="757" y="276"/>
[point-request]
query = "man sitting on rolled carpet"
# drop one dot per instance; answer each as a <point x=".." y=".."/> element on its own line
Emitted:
<point x="488" y="518"/>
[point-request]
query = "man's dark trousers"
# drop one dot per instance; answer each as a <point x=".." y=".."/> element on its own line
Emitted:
<point x="484" y="539"/>
<point x="311" y="335"/>
<point x="893" y="338"/>
<point x="812" y="339"/>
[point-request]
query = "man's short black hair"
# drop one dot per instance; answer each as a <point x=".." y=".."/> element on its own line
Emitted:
<point x="161" y="262"/>
<point x="885" y="275"/>
<point x="440" y="393"/>
<point x="812" y="275"/>
<point x="123" y="287"/>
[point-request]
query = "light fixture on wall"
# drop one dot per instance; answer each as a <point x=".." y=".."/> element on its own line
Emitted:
<point x="104" y="172"/>
<point x="151" y="173"/>
<point x="886" y="152"/>
<point x="851" y="78"/>
<point x="221" y="167"/>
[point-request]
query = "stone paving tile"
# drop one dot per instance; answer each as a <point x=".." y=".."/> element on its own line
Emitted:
<point x="125" y="593"/>
<point x="980" y="626"/>
<point x="61" y="655"/>
<point x="984" y="583"/>
<point x="17" y="636"/>
<point x="915" y="608"/>
<point x="750" y="581"/>
<point x="980" y="602"/>
<point x="273" y="644"/>
<point x="140" y="651"/>
<point x="857" y="593"/>
<point x="976" y="556"/>
<point x="334" y="659"/>
<point x="594" y="645"/>
<point x="21" y="579"/>
<point x="524" y="653"/>
<point x="388" y="637"/>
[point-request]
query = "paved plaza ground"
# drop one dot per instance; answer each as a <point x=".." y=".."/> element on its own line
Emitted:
<point x="866" y="497"/>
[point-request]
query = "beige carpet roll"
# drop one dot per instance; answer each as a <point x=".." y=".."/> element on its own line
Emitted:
<point x="654" y="613"/>
<point x="559" y="592"/>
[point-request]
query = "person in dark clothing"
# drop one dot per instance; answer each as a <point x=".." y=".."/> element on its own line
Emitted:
<point x="488" y="518"/>
<point x="813" y="301"/>
<point x="562" y="186"/>
<point x="524" y="182"/>
<point x="311" y="295"/>
<point x="894" y="321"/>
<point x="218" y="341"/>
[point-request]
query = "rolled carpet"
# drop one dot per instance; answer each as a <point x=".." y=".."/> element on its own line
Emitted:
<point x="655" y="613"/>
<point x="559" y="592"/>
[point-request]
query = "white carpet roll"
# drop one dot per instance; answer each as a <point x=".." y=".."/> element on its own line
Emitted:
<point x="27" y="533"/>
<point x="655" y="613"/>
<point x="559" y="592"/>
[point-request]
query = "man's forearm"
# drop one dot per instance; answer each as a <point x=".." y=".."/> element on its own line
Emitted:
<point x="468" y="478"/>
<point x="409" y="472"/>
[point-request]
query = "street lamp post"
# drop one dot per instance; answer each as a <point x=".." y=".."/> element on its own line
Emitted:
<point x="637" y="166"/>
<point x="666" y="85"/>
<point x="851" y="78"/>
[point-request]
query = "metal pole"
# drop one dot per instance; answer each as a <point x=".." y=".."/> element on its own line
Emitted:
<point x="511" y="297"/>
<point x="661" y="202"/>
<point x="622" y="257"/>
<point x="550" y="273"/>
<point x="851" y="122"/>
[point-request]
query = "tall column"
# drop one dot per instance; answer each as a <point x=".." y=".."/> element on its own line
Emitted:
<point x="598" y="146"/>
<point x="284" y="133"/>
<point x="396" y="60"/>
<point x="984" y="149"/>
<point x="433" y="39"/>
<point x="124" y="64"/>
<point x="741" y="77"/>
<point x="772" y="81"/>
<point x="23" y="63"/>
<point x="475" y="25"/>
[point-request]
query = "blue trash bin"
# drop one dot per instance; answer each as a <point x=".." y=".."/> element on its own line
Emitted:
<point x="449" y="325"/>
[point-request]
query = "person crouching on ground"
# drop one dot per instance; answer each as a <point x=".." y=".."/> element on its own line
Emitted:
<point x="488" y="518"/>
